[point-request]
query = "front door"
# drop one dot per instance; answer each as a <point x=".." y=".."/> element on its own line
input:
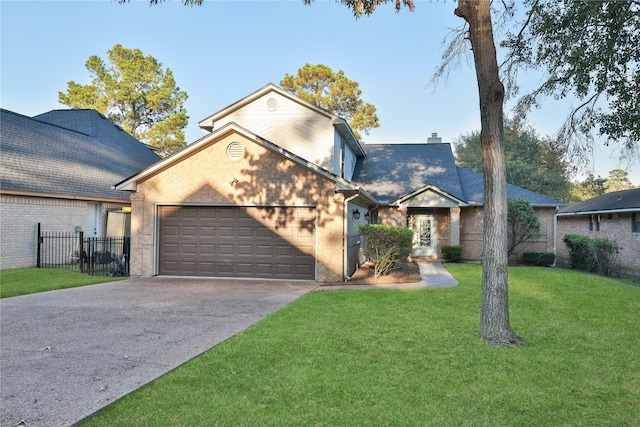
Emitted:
<point x="93" y="219"/>
<point x="424" y="235"/>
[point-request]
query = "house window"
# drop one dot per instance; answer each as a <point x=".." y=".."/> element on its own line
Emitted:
<point x="594" y="222"/>
<point x="635" y="222"/>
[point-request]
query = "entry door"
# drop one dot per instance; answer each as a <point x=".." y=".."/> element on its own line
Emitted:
<point x="93" y="219"/>
<point x="424" y="235"/>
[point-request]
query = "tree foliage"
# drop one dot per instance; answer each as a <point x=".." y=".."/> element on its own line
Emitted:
<point x="618" y="180"/>
<point x="524" y="226"/>
<point x="136" y="93"/>
<point x="535" y="163"/>
<point x="588" y="189"/>
<point x="334" y="92"/>
<point x="588" y="49"/>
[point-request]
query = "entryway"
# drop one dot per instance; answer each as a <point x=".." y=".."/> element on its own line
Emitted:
<point x="425" y="237"/>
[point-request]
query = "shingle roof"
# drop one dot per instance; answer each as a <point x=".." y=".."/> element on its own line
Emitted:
<point x="390" y="171"/>
<point x="473" y="189"/>
<point x="615" y="201"/>
<point x="72" y="152"/>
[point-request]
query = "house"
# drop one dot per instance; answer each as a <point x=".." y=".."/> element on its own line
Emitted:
<point x="277" y="188"/>
<point x="58" y="169"/>
<point x="614" y="216"/>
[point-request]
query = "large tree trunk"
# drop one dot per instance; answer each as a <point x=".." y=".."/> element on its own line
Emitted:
<point x="494" y="312"/>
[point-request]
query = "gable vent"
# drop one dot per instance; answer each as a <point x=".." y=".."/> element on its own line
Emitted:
<point x="235" y="151"/>
<point x="272" y="104"/>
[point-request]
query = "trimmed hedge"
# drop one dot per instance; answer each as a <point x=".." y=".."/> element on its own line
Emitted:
<point x="452" y="253"/>
<point x="542" y="259"/>
<point x="592" y="255"/>
<point x="386" y="246"/>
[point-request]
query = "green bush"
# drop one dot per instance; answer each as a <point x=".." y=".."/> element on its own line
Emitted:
<point x="592" y="255"/>
<point x="542" y="259"/>
<point x="452" y="253"/>
<point x="387" y="246"/>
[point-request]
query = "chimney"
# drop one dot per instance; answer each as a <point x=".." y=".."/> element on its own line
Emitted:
<point x="434" y="139"/>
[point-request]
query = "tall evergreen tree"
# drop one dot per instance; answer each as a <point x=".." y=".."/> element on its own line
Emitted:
<point x="136" y="93"/>
<point x="334" y="92"/>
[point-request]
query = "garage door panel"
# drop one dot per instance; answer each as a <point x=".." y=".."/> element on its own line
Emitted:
<point x="273" y="242"/>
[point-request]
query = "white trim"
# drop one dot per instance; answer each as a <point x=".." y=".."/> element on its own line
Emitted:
<point x="424" y="189"/>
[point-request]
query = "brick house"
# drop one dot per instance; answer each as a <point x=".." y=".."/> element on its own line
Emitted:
<point x="277" y="187"/>
<point x="57" y="169"/>
<point x="615" y="216"/>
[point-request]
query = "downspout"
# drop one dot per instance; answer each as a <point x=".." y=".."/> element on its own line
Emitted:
<point x="345" y="232"/>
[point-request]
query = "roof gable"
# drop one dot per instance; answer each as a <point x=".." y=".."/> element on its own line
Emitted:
<point x="131" y="182"/>
<point x="48" y="156"/>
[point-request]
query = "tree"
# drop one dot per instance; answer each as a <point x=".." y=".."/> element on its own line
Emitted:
<point x="618" y="180"/>
<point x="590" y="49"/>
<point x="589" y="188"/>
<point x="495" y="325"/>
<point x="137" y="94"/>
<point x="537" y="164"/>
<point x="334" y="92"/>
<point x="524" y="226"/>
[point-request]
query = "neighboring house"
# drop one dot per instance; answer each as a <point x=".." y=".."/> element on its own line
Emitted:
<point x="615" y="216"/>
<point x="58" y="169"/>
<point x="278" y="186"/>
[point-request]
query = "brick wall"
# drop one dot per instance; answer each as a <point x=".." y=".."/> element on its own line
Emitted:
<point x="260" y="178"/>
<point x="618" y="228"/>
<point x="19" y="218"/>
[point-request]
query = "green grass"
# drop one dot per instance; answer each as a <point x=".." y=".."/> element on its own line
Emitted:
<point x="413" y="358"/>
<point x="23" y="281"/>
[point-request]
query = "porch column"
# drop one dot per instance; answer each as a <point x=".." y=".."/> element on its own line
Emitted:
<point x="454" y="226"/>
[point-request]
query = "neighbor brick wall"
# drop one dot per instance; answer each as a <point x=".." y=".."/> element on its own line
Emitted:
<point x="261" y="178"/>
<point x="617" y="228"/>
<point x="19" y="218"/>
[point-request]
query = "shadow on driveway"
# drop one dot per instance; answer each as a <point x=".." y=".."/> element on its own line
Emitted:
<point x="66" y="354"/>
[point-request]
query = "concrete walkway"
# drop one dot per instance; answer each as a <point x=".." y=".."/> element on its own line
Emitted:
<point x="433" y="273"/>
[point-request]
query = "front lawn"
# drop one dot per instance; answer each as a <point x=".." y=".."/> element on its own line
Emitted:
<point x="413" y="358"/>
<point x="23" y="281"/>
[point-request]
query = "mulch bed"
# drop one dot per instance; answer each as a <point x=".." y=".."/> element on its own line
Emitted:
<point x="408" y="273"/>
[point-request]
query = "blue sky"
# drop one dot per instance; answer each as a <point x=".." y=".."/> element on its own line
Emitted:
<point x="225" y="50"/>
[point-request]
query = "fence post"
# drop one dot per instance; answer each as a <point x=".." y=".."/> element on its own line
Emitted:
<point x="81" y="252"/>
<point x="38" y="247"/>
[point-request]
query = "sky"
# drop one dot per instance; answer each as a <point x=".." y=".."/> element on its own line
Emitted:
<point x="222" y="51"/>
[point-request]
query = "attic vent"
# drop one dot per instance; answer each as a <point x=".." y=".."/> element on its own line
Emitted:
<point x="235" y="151"/>
<point x="272" y="104"/>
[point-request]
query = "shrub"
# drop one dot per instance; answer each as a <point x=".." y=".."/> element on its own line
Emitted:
<point x="592" y="255"/>
<point x="452" y="253"/>
<point x="386" y="246"/>
<point x="523" y="225"/>
<point x="542" y="259"/>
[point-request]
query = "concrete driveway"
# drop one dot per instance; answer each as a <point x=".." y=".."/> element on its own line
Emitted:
<point x="66" y="354"/>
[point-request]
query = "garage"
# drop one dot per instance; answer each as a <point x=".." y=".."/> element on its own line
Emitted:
<point x="229" y="241"/>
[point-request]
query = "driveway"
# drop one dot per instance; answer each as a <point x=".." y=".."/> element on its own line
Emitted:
<point x="66" y="354"/>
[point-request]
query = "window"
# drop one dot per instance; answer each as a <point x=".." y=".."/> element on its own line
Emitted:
<point x="594" y="222"/>
<point x="635" y="222"/>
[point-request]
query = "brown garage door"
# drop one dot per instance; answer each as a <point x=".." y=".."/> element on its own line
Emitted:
<point x="256" y="242"/>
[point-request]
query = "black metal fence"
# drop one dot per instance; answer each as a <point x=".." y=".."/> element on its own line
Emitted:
<point x="93" y="255"/>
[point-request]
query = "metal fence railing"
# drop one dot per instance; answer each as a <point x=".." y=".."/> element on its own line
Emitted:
<point x="93" y="255"/>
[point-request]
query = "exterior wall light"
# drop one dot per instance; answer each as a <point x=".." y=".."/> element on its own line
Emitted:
<point x="356" y="214"/>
